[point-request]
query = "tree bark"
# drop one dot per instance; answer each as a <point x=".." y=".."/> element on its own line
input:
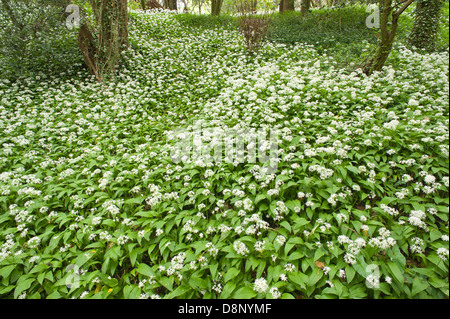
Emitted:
<point x="153" y="4"/>
<point x="102" y="55"/>
<point x="287" y="5"/>
<point x="123" y="23"/>
<point x="171" y="4"/>
<point x="306" y="4"/>
<point x="216" y="7"/>
<point x="426" y="24"/>
<point x="387" y="35"/>
<point x="88" y="48"/>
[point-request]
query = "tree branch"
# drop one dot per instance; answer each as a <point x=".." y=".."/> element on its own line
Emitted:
<point x="407" y="3"/>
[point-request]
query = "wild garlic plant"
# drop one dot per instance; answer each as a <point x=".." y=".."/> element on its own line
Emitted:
<point x="93" y="205"/>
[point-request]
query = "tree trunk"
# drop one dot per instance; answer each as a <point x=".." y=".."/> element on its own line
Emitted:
<point x="387" y="35"/>
<point x="88" y="48"/>
<point x="171" y="4"/>
<point x="216" y="6"/>
<point x="186" y="9"/>
<point x="253" y="5"/>
<point x="305" y="7"/>
<point x="154" y="4"/>
<point x="123" y="23"/>
<point x="102" y="55"/>
<point x="426" y="24"/>
<point x="287" y="5"/>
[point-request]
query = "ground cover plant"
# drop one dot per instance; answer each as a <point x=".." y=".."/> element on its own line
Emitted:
<point x="95" y="203"/>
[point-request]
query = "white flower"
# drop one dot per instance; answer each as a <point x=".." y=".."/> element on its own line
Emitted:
<point x="259" y="246"/>
<point x="430" y="179"/>
<point x="240" y="248"/>
<point x="280" y="239"/>
<point x="275" y="293"/>
<point x="350" y="259"/>
<point x="372" y="281"/>
<point x="34" y="242"/>
<point x="123" y="239"/>
<point x="443" y="253"/>
<point x="260" y="285"/>
<point x="289" y="267"/>
<point x="96" y="220"/>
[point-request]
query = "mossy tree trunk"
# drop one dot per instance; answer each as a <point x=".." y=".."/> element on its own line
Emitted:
<point x="426" y="24"/>
<point x="123" y="23"/>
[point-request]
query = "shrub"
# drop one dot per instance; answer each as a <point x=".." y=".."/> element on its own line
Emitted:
<point x="37" y="41"/>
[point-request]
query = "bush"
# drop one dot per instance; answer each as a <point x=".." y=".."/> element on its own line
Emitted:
<point x="204" y="22"/>
<point x="38" y="42"/>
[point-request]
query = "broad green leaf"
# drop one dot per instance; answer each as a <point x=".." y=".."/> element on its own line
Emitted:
<point x="145" y="270"/>
<point x="22" y="285"/>
<point x="396" y="272"/>
<point x="418" y="286"/>
<point x="244" y="293"/>
<point x="227" y="290"/>
<point x="230" y="274"/>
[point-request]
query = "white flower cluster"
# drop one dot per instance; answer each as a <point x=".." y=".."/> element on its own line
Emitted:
<point x="384" y="241"/>
<point x="416" y="218"/>
<point x="353" y="248"/>
<point x="390" y="210"/>
<point x="323" y="172"/>
<point x="240" y="248"/>
<point x="176" y="263"/>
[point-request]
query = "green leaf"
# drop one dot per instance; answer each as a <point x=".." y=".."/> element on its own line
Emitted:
<point x="286" y="225"/>
<point x="54" y="295"/>
<point x="260" y="197"/>
<point x="22" y="285"/>
<point x="41" y="277"/>
<point x="180" y="290"/>
<point x="314" y="277"/>
<point x="230" y="274"/>
<point x="350" y="273"/>
<point x="435" y="234"/>
<point x="298" y="278"/>
<point x="213" y="270"/>
<point x="227" y="290"/>
<point x="244" y="293"/>
<point x="438" y="283"/>
<point x="166" y="282"/>
<point x="197" y="283"/>
<point x="295" y="255"/>
<point x="396" y="272"/>
<point x="145" y="270"/>
<point x="291" y="243"/>
<point x="6" y="271"/>
<point x="418" y="286"/>
<point x="133" y="256"/>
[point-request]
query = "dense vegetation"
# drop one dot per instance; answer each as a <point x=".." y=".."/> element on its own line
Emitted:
<point x="93" y="204"/>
